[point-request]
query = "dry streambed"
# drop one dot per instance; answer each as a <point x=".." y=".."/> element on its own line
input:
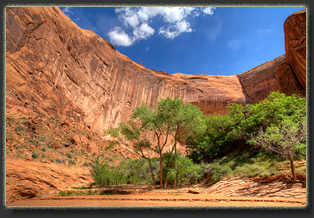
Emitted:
<point x="218" y="194"/>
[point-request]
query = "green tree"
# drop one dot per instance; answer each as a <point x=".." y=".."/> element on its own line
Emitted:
<point x="230" y="132"/>
<point x="132" y="132"/>
<point x="285" y="139"/>
<point x="169" y="117"/>
<point x="187" y="172"/>
<point x="185" y="120"/>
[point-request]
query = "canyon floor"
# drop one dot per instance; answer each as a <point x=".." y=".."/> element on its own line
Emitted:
<point x="158" y="200"/>
<point x="218" y="195"/>
<point x="46" y="155"/>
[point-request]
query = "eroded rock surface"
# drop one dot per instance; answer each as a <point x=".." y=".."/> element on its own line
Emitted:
<point x="260" y="81"/>
<point x="27" y="179"/>
<point x="295" y="44"/>
<point x="58" y="69"/>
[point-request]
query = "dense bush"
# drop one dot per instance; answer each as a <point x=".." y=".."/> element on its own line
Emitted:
<point x="220" y="171"/>
<point x="188" y="172"/>
<point x="233" y="132"/>
<point x="137" y="171"/>
<point x="105" y="176"/>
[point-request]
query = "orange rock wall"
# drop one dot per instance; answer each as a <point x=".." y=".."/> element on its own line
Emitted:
<point x="295" y="44"/>
<point x="55" y="68"/>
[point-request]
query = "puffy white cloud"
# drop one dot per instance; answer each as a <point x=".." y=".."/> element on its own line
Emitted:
<point x="175" y="30"/>
<point x="119" y="37"/>
<point x="183" y="26"/>
<point x="175" y="22"/>
<point x="132" y="20"/>
<point x="208" y="10"/>
<point x="143" y="31"/>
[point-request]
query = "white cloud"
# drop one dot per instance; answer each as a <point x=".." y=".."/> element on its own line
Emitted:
<point x="175" y="30"/>
<point x="132" y="20"/>
<point x="183" y="26"/>
<point x="143" y="31"/>
<point x="175" y="22"/>
<point x="234" y="44"/>
<point x="119" y="37"/>
<point x="67" y="11"/>
<point x="208" y="10"/>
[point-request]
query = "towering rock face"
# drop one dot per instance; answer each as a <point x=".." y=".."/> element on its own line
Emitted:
<point x="291" y="75"/>
<point x="295" y="44"/>
<point x="260" y="81"/>
<point x="287" y="73"/>
<point x="55" y="68"/>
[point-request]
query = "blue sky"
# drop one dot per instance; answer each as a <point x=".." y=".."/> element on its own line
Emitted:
<point x="213" y="41"/>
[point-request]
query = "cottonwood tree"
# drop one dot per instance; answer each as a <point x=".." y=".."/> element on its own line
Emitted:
<point x="131" y="132"/>
<point x="185" y="120"/>
<point x="168" y="118"/>
<point x="286" y="139"/>
<point x="157" y="121"/>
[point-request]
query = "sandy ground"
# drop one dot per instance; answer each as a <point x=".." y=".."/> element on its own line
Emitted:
<point x="155" y="199"/>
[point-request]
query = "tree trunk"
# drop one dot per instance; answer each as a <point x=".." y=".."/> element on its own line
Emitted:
<point x="175" y="165"/>
<point x="160" y="162"/>
<point x="294" y="178"/>
<point x="151" y="171"/>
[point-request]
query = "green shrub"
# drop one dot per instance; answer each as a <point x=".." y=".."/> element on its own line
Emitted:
<point x="187" y="172"/>
<point x="34" y="155"/>
<point x="220" y="171"/>
<point x="58" y="161"/>
<point x="105" y="192"/>
<point x="66" y="193"/>
<point x="71" y="163"/>
<point x="259" y="168"/>
<point x="105" y="176"/>
<point x="43" y="149"/>
<point x="18" y="129"/>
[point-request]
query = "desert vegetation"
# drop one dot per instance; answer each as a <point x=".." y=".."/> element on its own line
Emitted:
<point x="263" y="139"/>
<point x="250" y="140"/>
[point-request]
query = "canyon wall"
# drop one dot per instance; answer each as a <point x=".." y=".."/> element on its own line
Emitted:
<point x="55" y="68"/>
<point x="291" y="76"/>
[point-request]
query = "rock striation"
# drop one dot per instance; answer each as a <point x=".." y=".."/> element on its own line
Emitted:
<point x="55" y="68"/>
<point x="295" y="44"/>
<point x="291" y="75"/>
<point x="28" y="179"/>
<point x="260" y="81"/>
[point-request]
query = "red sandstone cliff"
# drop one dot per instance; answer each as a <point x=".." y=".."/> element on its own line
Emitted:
<point x="55" y="68"/>
<point x="291" y="76"/>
